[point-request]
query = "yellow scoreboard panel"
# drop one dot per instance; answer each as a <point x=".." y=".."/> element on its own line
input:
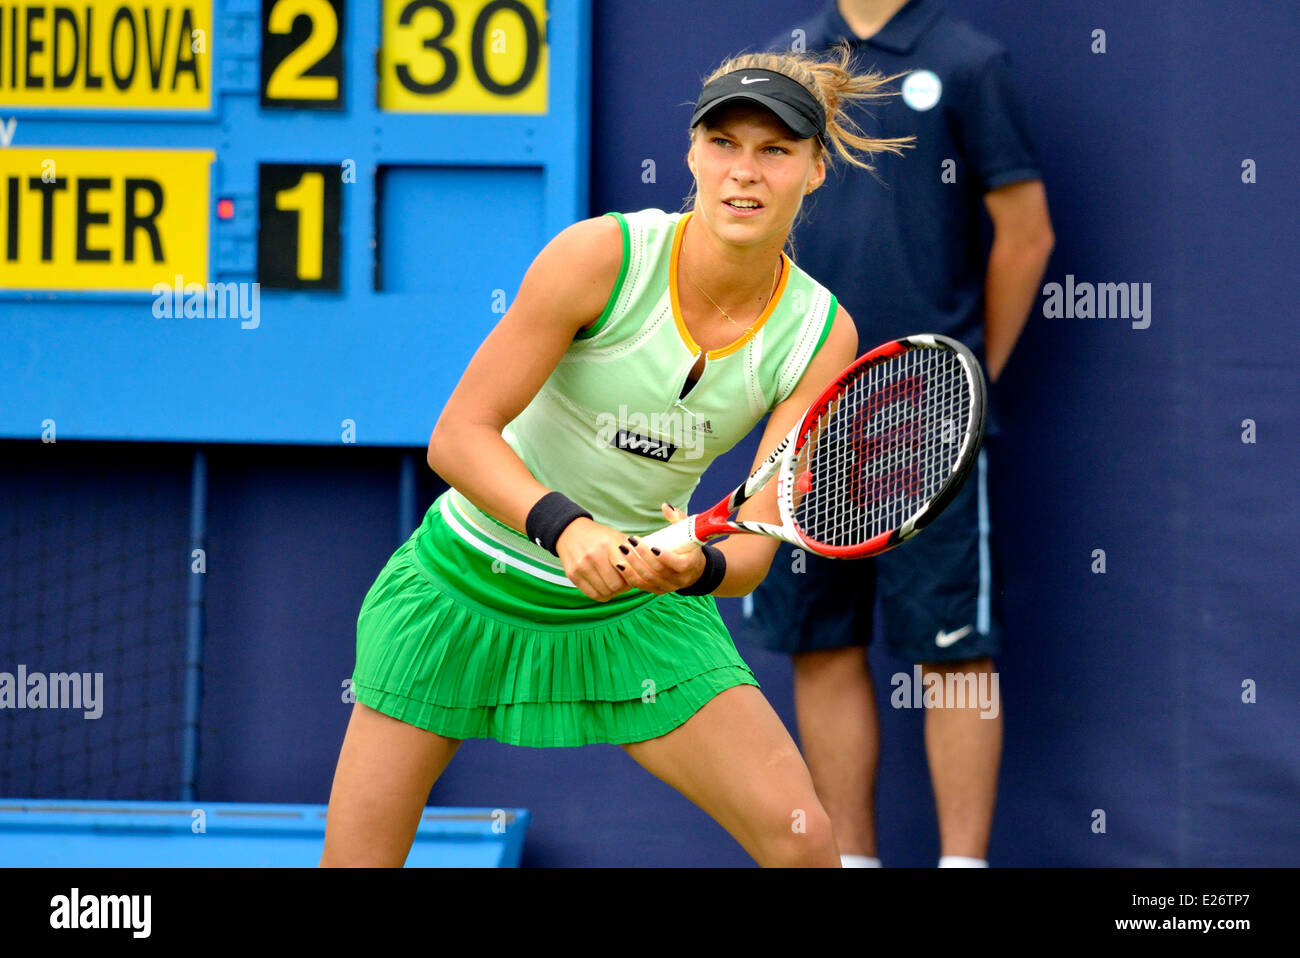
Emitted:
<point x="106" y="54"/>
<point x="102" y="219"/>
<point x="464" y="56"/>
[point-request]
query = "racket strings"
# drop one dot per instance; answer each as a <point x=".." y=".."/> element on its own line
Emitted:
<point x="883" y="449"/>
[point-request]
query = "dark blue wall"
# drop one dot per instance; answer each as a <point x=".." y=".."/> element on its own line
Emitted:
<point x="1121" y="691"/>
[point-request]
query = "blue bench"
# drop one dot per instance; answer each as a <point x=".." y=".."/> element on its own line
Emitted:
<point x="37" y="833"/>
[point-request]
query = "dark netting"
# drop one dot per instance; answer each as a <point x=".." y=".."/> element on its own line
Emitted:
<point x="93" y="580"/>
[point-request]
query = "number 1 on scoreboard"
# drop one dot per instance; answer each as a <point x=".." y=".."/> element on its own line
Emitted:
<point x="307" y="199"/>
<point x="299" y="211"/>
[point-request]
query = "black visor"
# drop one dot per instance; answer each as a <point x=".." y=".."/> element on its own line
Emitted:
<point x="788" y="99"/>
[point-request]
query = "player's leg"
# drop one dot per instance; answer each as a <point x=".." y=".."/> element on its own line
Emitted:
<point x="936" y="600"/>
<point x="385" y="771"/>
<point x="964" y="746"/>
<point x="819" y="611"/>
<point x="735" y="760"/>
<point x="839" y="731"/>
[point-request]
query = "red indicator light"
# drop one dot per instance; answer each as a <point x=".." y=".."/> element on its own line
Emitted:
<point x="225" y="209"/>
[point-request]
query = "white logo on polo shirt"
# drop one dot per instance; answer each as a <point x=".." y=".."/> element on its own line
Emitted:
<point x="922" y="89"/>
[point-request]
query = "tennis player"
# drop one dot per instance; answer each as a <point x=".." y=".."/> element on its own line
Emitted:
<point x="524" y="608"/>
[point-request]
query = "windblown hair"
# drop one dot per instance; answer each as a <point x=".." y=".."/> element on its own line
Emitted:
<point x="836" y="87"/>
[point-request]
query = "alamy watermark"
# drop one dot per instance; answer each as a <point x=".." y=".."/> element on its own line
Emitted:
<point x="75" y="910"/>
<point x="209" y="301"/>
<point x="53" y="690"/>
<point x="953" y="690"/>
<point x="1073" y="300"/>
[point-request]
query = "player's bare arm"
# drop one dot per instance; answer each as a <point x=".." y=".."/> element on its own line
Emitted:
<point x="565" y="288"/>
<point x="749" y="557"/>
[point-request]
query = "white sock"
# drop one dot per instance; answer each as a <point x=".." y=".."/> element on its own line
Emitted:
<point x="859" y="861"/>
<point x="961" y="861"/>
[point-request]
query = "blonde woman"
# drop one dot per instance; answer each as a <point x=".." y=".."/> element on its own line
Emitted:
<point x="525" y="608"/>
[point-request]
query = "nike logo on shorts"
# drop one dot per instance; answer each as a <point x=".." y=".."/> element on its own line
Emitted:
<point x="944" y="639"/>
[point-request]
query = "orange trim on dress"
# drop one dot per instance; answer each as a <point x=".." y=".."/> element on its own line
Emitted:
<point x="695" y="348"/>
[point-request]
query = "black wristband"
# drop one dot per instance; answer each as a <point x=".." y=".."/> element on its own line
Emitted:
<point x="715" y="569"/>
<point x="550" y="516"/>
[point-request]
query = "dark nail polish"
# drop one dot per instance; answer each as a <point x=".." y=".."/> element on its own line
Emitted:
<point x="623" y="549"/>
<point x="632" y="539"/>
<point x="619" y="566"/>
<point x="655" y="550"/>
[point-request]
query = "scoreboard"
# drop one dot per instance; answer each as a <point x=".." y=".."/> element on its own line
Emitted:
<point x="285" y="221"/>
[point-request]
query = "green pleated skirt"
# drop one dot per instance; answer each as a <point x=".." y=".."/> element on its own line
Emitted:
<point x="445" y="643"/>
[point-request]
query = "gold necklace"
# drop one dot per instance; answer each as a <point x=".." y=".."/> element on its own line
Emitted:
<point x="776" y="276"/>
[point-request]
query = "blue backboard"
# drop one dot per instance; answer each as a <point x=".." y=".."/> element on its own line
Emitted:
<point x="307" y="252"/>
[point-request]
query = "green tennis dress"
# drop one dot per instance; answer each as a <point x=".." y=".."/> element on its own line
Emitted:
<point x="474" y="631"/>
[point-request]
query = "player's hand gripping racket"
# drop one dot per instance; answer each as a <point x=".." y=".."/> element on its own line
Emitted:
<point x="874" y="460"/>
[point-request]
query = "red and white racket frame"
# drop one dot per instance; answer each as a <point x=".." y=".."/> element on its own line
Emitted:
<point x="698" y="528"/>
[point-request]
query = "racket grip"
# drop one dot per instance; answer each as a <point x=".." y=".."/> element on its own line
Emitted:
<point x="673" y="537"/>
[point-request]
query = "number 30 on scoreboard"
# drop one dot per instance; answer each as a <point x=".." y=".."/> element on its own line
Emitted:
<point x="436" y="56"/>
<point x="463" y="56"/>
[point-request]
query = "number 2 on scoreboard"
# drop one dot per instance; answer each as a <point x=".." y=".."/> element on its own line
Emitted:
<point x="302" y="54"/>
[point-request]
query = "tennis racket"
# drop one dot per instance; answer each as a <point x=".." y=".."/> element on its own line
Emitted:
<point x="874" y="460"/>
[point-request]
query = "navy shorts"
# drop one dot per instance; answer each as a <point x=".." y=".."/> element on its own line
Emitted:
<point x="936" y="591"/>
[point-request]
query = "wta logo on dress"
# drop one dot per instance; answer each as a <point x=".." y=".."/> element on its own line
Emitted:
<point x="656" y="436"/>
<point x="643" y="445"/>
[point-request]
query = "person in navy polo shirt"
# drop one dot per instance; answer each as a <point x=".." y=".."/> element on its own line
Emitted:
<point x="903" y="251"/>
